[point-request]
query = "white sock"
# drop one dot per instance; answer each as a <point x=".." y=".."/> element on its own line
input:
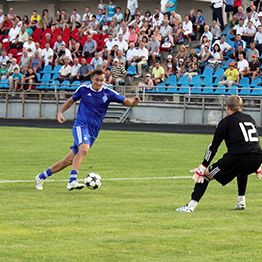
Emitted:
<point x="192" y="204"/>
<point x="241" y="199"/>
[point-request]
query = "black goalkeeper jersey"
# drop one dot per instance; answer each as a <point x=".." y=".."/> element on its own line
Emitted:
<point x="240" y="135"/>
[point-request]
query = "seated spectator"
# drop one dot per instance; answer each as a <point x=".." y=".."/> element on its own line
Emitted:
<point x="215" y="30"/>
<point x="231" y="75"/>
<point x="181" y="54"/>
<point x="47" y="20"/>
<point x="110" y="42"/>
<point x="238" y="42"/>
<point x="207" y="33"/>
<point x="252" y="51"/>
<point x="192" y="68"/>
<point x="131" y="54"/>
<point x="65" y="19"/>
<point x="100" y="18"/>
<point x="239" y="29"/>
<point x="127" y="16"/>
<point x="217" y="56"/>
<point x="75" y="47"/>
<point x="25" y="62"/>
<point x="165" y="31"/>
<point x="241" y="15"/>
<point x="21" y="38"/>
<point x="242" y="65"/>
<point x="133" y="36"/>
<point x="121" y="43"/>
<point x="15" y="80"/>
<point x="258" y="38"/>
<point x="89" y="47"/>
<point x="65" y="71"/>
<point x="75" y="20"/>
<point x="204" y="56"/>
<point x="199" y="23"/>
<point x="30" y="45"/>
<point x="4" y="58"/>
<point x="249" y="33"/>
<point x="28" y="79"/>
<point x="224" y="46"/>
<point x="35" y="19"/>
<point x="148" y="83"/>
<point x="84" y="71"/>
<point x="232" y="24"/>
<point x="177" y="33"/>
<point x="187" y="29"/>
<point x="63" y="54"/>
<point x="13" y="33"/>
<point x="3" y="71"/>
<point x="254" y="67"/>
<point x="158" y="73"/>
<point x="57" y="20"/>
<point x="154" y="49"/>
<point x="141" y="59"/>
<point x="108" y="76"/>
<point x="97" y="61"/>
<point x="58" y="43"/>
<point x="36" y="62"/>
<point x="47" y="54"/>
<point x="5" y="26"/>
<point x="74" y="70"/>
<point x="170" y="66"/>
<point x="118" y="72"/>
<point x="180" y="68"/>
<point x="204" y="42"/>
<point x="118" y="15"/>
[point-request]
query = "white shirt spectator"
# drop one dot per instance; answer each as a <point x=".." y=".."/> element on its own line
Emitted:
<point x="223" y="46"/>
<point x="27" y="45"/>
<point x="3" y="59"/>
<point x="242" y="65"/>
<point x="258" y="37"/>
<point x="132" y="5"/>
<point x="217" y="3"/>
<point x="97" y="62"/>
<point x="143" y="53"/>
<point x="187" y="27"/>
<point x="130" y="54"/>
<point x="239" y="29"/>
<point x="74" y="69"/>
<point x="65" y="70"/>
<point x="110" y="43"/>
<point x="47" y="55"/>
<point x="13" y="33"/>
<point x="122" y="45"/>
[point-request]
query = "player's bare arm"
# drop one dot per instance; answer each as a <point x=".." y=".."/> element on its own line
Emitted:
<point x="131" y="101"/>
<point x="60" y="117"/>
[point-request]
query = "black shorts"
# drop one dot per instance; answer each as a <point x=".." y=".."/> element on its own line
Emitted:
<point x="230" y="166"/>
<point x="229" y="8"/>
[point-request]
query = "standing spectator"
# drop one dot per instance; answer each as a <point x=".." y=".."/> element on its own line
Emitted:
<point x="28" y="79"/>
<point x="158" y="73"/>
<point x="229" y="9"/>
<point x="110" y="10"/>
<point x="97" y="61"/>
<point x="217" y="13"/>
<point x="84" y="71"/>
<point x="89" y="47"/>
<point x="101" y="6"/>
<point x="74" y="70"/>
<point x="132" y="5"/>
<point x="232" y="76"/>
<point x="237" y="3"/>
<point x="118" y="72"/>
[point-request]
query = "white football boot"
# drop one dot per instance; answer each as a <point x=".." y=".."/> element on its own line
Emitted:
<point x="39" y="183"/>
<point x="74" y="185"/>
<point x="185" y="209"/>
<point x="241" y="203"/>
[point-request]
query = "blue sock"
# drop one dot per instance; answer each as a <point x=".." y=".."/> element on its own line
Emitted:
<point x="45" y="174"/>
<point x="73" y="175"/>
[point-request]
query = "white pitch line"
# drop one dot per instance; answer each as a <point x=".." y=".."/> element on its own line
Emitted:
<point x="106" y="179"/>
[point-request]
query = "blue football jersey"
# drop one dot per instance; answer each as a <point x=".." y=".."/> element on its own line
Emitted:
<point x="93" y="106"/>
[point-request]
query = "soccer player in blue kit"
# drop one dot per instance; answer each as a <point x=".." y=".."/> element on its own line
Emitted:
<point x="94" y="101"/>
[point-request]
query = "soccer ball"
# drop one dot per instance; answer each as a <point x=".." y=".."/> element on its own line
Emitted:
<point x="93" y="181"/>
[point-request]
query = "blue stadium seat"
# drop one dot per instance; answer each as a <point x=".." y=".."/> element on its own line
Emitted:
<point x="245" y="90"/>
<point x="55" y="76"/>
<point x="220" y="90"/>
<point x="256" y="82"/>
<point x="232" y="90"/>
<point x="46" y="70"/>
<point x="195" y="84"/>
<point x="4" y="84"/>
<point x="131" y="70"/>
<point x="44" y="85"/>
<point x="244" y="81"/>
<point x="219" y="72"/>
<point x="257" y="91"/>
<point x="64" y="85"/>
<point x="171" y="81"/>
<point x="56" y="69"/>
<point x="54" y="85"/>
<point x="208" y="90"/>
<point x="207" y="71"/>
<point x="183" y="85"/>
<point x="74" y="85"/>
<point x="226" y="64"/>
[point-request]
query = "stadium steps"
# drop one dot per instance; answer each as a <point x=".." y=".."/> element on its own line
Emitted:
<point x="117" y="113"/>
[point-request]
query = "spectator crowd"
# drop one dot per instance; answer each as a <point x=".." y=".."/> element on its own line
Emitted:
<point x="154" y="45"/>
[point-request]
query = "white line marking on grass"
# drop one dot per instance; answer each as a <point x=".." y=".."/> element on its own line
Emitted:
<point x="106" y="179"/>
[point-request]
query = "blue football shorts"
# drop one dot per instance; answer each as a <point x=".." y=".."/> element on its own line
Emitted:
<point x="81" y="136"/>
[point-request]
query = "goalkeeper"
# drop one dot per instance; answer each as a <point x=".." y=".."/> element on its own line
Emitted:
<point x="243" y="157"/>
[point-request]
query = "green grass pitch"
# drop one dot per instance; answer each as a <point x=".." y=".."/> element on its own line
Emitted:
<point x="128" y="220"/>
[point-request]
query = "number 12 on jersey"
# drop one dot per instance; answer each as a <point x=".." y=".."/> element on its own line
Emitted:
<point x="249" y="131"/>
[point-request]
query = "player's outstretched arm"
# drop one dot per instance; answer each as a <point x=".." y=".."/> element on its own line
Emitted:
<point x="60" y="117"/>
<point x="131" y="101"/>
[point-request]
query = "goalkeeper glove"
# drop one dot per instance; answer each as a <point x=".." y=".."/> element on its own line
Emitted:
<point x="199" y="175"/>
<point x="259" y="172"/>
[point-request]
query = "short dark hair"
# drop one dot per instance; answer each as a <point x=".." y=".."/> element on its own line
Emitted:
<point x="97" y="72"/>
